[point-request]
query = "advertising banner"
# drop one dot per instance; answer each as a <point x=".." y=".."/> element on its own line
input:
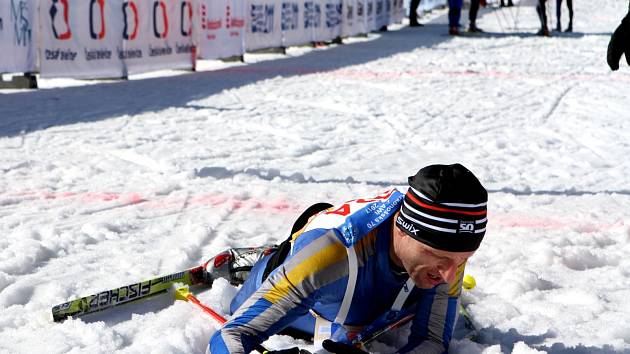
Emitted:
<point x="18" y="35"/>
<point x="361" y="19"/>
<point x="293" y="24"/>
<point x="221" y="28"/>
<point x="381" y="15"/>
<point x="398" y="11"/>
<point x="350" y="21"/>
<point x="262" y="24"/>
<point x="80" y="38"/>
<point x="330" y="20"/>
<point x="370" y="16"/>
<point x="156" y="34"/>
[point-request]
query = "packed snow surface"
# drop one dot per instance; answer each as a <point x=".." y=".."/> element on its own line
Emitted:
<point x="107" y="184"/>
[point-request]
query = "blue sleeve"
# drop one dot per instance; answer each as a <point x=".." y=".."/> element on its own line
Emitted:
<point x="287" y="294"/>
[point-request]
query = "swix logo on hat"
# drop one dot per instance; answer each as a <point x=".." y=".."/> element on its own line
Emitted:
<point x="129" y="7"/>
<point x="62" y="16"/>
<point x="406" y="225"/>
<point x="160" y="5"/>
<point x="186" y="19"/>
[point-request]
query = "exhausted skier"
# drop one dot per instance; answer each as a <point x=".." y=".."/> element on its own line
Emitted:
<point x="349" y="271"/>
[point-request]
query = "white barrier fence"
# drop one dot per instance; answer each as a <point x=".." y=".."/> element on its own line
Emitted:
<point x="114" y="38"/>
<point x="18" y="35"/>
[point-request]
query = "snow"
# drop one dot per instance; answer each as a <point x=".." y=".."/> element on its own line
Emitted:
<point x="114" y="182"/>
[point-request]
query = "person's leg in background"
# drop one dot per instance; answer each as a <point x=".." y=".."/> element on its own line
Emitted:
<point x="542" y="15"/>
<point x="454" y="14"/>
<point x="472" y="16"/>
<point x="570" y="6"/>
<point x="413" y="13"/>
<point x="558" y="15"/>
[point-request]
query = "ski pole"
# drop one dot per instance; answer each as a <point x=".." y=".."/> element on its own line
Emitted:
<point x="182" y="293"/>
<point x="388" y="328"/>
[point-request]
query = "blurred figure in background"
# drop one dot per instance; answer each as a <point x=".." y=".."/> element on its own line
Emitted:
<point x="619" y="43"/>
<point x="454" y="14"/>
<point x="559" y="13"/>
<point x="472" y="15"/>
<point x="413" y="14"/>
<point x="509" y="3"/>
<point x="541" y="8"/>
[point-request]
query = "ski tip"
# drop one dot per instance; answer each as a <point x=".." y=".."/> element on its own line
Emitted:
<point x="469" y="282"/>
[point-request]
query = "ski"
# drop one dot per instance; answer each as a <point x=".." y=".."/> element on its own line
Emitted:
<point x="125" y="294"/>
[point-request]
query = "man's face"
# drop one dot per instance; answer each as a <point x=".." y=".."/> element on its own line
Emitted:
<point x="426" y="265"/>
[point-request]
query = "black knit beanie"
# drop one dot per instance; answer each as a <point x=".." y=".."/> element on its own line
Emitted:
<point x="445" y="208"/>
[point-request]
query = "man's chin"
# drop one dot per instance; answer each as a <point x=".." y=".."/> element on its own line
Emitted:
<point x="426" y="283"/>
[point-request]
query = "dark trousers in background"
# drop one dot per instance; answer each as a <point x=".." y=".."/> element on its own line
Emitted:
<point x="413" y="12"/>
<point x="474" y="9"/>
<point x="542" y="13"/>
<point x="454" y="12"/>
<point x="559" y="12"/>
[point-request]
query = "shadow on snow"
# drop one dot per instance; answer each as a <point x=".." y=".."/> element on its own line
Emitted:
<point x="31" y="111"/>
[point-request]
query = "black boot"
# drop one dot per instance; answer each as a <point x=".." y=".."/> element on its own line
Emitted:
<point x="472" y="28"/>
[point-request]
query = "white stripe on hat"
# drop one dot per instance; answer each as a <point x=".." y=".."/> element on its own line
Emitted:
<point x="481" y="221"/>
<point x="453" y="231"/>
<point x="461" y="205"/>
<point x="452" y="221"/>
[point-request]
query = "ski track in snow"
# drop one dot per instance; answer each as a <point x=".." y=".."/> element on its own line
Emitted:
<point x="111" y="183"/>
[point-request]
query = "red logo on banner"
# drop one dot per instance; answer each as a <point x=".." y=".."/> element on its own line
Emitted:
<point x="160" y="4"/>
<point x="213" y="25"/>
<point x="237" y="22"/>
<point x="101" y="5"/>
<point x="54" y="11"/>
<point x="134" y="10"/>
<point x="232" y="21"/>
<point x="186" y="5"/>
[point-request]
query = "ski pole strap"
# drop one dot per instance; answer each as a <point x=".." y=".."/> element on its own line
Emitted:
<point x="353" y="270"/>
<point x="404" y="293"/>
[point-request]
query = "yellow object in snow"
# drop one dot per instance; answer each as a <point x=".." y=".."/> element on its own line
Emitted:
<point x="469" y="282"/>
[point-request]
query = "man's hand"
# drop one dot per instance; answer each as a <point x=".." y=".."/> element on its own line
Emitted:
<point x="340" y="348"/>
<point x="294" y="350"/>
<point x="619" y="44"/>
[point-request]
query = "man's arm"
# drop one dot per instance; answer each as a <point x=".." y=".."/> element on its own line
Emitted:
<point x="434" y="323"/>
<point x="288" y="293"/>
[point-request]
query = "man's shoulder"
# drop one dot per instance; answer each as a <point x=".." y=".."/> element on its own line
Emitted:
<point x="356" y="218"/>
<point x="319" y="238"/>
